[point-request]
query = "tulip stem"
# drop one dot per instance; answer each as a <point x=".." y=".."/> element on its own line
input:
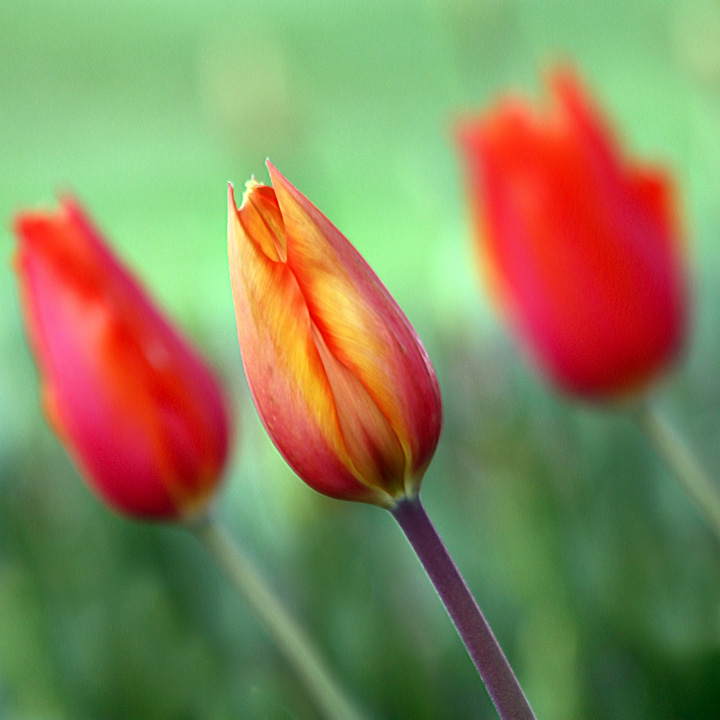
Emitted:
<point x="486" y="653"/>
<point x="680" y="460"/>
<point x="289" y="636"/>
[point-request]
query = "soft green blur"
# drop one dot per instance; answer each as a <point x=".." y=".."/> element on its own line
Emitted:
<point x="598" y="576"/>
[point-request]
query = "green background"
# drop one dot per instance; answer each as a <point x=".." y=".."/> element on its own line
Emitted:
<point x="598" y="576"/>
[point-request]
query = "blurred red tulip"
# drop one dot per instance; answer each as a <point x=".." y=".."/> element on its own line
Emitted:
<point x="140" y="412"/>
<point x="340" y="379"/>
<point x="581" y="246"/>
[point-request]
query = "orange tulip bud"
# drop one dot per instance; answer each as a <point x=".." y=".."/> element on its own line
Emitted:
<point x="140" y="412"/>
<point x="581" y="246"/>
<point x="340" y="379"/>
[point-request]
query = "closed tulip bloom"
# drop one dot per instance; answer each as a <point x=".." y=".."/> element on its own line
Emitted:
<point x="581" y="245"/>
<point x="340" y="379"/>
<point x="137" y="408"/>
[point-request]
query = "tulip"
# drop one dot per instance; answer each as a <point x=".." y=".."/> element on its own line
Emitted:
<point x="581" y="246"/>
<point x="139" y="411"/>
<point x="340" y="379"/>
<point x="345" y="388"/>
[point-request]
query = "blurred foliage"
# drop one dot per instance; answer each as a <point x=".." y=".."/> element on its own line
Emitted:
<point x="598" y="577"/>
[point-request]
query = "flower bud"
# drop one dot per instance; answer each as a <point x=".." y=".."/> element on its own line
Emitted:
<point x="580" y="245"/>
<point x="340" y="379"/>
<point x="139" y="411"/>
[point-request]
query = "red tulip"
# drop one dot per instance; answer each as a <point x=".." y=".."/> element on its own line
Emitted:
<point x="581" y="245"/>
<point x="340" y="379"/>
<point x="140" y="412"/>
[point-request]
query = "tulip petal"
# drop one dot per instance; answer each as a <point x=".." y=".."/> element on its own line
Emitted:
<point x="581" y="247"/>
<point x="318" y="331"/>
<point x="139" y="412"/>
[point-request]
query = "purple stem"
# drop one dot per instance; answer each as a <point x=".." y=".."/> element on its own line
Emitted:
<point x="489" y="659"/>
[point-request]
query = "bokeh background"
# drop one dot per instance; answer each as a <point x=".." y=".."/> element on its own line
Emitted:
<point x="598" y="576"/>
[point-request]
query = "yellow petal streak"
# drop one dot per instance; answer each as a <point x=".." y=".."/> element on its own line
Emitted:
<point x="371" y="442"/>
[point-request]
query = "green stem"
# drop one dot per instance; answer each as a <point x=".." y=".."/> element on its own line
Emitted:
<point x="678" y="457"/>
<point x="290" y="638"/>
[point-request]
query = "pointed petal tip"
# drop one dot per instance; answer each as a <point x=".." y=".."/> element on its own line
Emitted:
<point x="272" y="171"/>
<point x="231" y="197"/>
<point x="284" y="188"/>
<point x="276" y="177"/>
<point x="567" y="89"/>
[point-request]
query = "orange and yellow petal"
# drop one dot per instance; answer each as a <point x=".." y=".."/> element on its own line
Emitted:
<point x="355" y="385"/>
